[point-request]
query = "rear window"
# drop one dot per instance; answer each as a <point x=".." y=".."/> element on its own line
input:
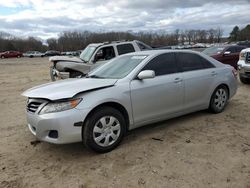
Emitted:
<point x="125" y="48"/>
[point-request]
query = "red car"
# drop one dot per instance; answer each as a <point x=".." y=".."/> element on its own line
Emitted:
<point x="8" y="54"/>
<point x="225" y="54"/>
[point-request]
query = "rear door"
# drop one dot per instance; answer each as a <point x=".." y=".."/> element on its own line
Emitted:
<point x="199" y="76"/>
<point x="154" y="99"/>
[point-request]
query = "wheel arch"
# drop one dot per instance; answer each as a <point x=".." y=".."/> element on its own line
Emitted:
<point x="114" y="105"/>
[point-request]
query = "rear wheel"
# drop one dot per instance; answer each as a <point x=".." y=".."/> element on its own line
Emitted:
<point x="219" y="99"/>
<point x="104" y="130"/>
<point x="2" y="57"/>
<point x="244" y="80"/>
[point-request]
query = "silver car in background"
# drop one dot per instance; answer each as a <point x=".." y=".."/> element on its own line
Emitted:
<point x="128" y="92"/>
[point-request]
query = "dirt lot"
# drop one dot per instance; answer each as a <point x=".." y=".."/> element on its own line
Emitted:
<point x="197" y="150"/>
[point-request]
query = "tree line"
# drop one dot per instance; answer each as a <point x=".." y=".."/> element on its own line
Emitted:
<point x="78" y="40"/>
<point x="74" y="40"/>
<point x="238" y="34"/>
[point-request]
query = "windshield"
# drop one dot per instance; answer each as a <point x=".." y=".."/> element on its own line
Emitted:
<point x="87" y="53"/>
<point x="213" y="50"/>
<point x="118" y="68"/>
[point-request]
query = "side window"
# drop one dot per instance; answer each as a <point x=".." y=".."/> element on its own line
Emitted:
<point x="163" y="64"/>
<point x="189" y="61"/>
<point x="206" y="63"/>
<point x="239" y="48"/>
<point x="143" y="46"/>
<point x="105" y="53"/>
<point x="231" y="49"/>
<point x="125" y="48"/>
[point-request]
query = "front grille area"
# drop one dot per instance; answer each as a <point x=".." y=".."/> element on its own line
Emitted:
<point x="248" y="57"/>
<point x="34" y="104"/>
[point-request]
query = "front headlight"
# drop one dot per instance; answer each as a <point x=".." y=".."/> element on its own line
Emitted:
<point x="60" y="106"/>
<point x="242" y="56"/>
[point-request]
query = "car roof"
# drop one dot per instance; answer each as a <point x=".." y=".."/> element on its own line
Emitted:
<point x="157" y="52"/>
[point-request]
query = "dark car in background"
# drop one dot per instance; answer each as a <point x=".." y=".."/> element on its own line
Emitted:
<point x="9" y="54"/>
<point x="225" y="54"/>
<point x="52" y="53"/>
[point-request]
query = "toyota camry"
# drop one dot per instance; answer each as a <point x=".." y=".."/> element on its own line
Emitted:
<point x="130" y="91"/>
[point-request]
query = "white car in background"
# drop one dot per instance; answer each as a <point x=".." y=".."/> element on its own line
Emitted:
<point x="33" y="54"/>
<point x="244" y="66"/>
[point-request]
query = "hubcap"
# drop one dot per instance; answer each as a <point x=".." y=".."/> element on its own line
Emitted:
<point x="106" y="131"/>
<point x="220" y="98"/>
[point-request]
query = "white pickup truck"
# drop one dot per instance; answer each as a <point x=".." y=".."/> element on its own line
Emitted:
<point x="244" y="66"/>
<point x="93" y="55"/>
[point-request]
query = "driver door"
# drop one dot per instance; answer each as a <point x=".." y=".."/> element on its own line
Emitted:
<point x="157" y="98"/>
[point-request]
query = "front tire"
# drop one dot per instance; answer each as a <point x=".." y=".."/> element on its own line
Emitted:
<point x="219" y="99"/>
<point x="53" y="74"/>
<point x="104" y="130"/>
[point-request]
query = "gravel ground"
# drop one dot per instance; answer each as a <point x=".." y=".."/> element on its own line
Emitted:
<point x="196" y="150"/>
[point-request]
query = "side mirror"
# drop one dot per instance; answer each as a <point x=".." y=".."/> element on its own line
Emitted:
<point x="146" y="74"/>
<point x="227" y="53"/>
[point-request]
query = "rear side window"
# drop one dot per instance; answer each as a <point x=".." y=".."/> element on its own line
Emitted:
<point x="163" y="64"/>
<point x="143" y="46"/>
<point x="125" y="48"/>
<point x="190" y="62"/>
<point x="239" y="48"/>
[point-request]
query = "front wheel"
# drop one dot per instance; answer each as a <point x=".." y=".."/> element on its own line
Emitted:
<point x="104" y="130"/>
<point x="219" y="99"/>
<point x="53" y="74"/>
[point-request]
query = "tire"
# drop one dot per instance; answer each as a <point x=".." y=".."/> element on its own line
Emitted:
<point x="219" y="99"/>
<point x="53" y="75"/>
<point x="18" y="56"/>
<point x="244" y="80"/>
<point x="101" y="136"/>
<point x="2" y="57"/>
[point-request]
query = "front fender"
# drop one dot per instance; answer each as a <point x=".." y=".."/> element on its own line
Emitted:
<point x="65" y="66"/>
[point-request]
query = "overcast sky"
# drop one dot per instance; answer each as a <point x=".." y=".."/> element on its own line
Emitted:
<point x="47" y="18"/>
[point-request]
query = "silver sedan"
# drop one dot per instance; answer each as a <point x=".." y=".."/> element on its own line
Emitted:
<point x="128" y="92"/>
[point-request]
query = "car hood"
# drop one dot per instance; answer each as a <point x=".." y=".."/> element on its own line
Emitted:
<point x="67" y="88"/>
<point x="65" y="58"/>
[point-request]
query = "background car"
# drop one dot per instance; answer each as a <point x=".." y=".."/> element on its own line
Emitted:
<point x="128" y="92"/>
<point x="225" y="54"/>
<point x="52" y="53"/>
<point x="244" y="66"/>
<point x="33" y="54"/>
<point x="9" y="54"/>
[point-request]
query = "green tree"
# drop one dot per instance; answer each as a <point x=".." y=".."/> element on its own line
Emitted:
<point x="234" y="35"/>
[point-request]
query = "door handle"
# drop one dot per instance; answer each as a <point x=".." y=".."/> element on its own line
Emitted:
<point x="213" y="73"/>
<point x="177" y="80"/>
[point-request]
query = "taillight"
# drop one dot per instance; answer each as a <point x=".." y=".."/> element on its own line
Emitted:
<point x="234" y="71"/>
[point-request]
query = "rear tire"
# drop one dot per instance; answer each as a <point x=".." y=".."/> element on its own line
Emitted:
<point x="219" y="99"/>
<point x="244" y="80"/>
<point x="103" y="130"/>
